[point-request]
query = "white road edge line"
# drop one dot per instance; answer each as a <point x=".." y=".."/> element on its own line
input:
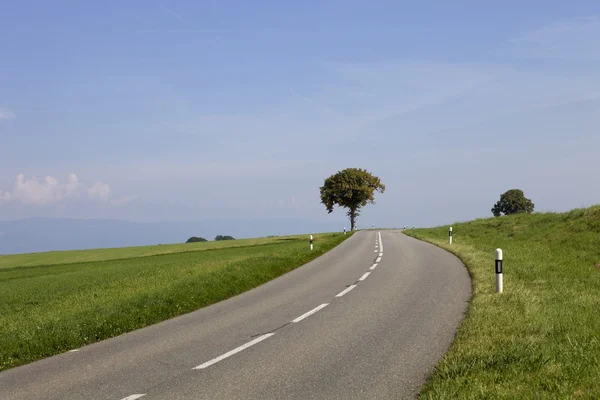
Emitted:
<point x="311" y="312"/>
<point x="234" y="351"/>
<point x="134" y="396"/>
<point x="375" y="251"/>
<point x="380" y="241"/>
<point x="73" y="351"/>
<point x="343" y="292"/>
<point x="373" y="266"/>
<point x="380" y="254"/>
<point x="378" y="260"/>
<point x="362" y="278"/>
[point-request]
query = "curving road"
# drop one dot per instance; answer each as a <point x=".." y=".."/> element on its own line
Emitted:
<point x="367" y="320"/>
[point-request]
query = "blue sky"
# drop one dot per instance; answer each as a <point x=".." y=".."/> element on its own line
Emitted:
<point x="184" y="110"/>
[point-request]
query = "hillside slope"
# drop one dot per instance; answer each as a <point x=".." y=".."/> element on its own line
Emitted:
<point x="541" y="337"/>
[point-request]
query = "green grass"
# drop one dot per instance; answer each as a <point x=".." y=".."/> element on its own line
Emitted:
<point x="80" y="256"/>
<point x="540" y="339"/>
<point x="48" y="309"/>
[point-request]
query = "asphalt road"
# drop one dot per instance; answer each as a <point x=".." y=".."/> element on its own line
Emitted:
<point x="369" y="336"/>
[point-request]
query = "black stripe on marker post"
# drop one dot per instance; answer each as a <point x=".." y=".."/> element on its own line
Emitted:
<point x="498" y="266"/>
<point x="498" y="270"/>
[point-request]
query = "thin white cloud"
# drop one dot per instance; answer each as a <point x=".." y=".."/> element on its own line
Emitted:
<point x="122" y="201"/>
<point x="49" y="191"/>
<point x="169" y="11"/>
<point x="100" y="191"/>
<point x="423" y="98"/>
<point x="72" y="186"/>
<point x="206" y="31"/>
<point x="4" y="197"/>
<point x="318" y="106"/>
<point x="575" y="40"/>
<point x="6" y="114"/>
<point x="41" y="192"/>
<point x="180" y="171"/>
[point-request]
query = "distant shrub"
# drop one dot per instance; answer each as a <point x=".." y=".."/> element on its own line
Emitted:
<point x="194" y="239"/>
<point x="513" y="202"/>
<point x="223" y="237"/>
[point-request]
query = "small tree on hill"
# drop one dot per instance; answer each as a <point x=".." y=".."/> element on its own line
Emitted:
<point x="223" y="237"/>
<point x="513" y="202"/>
<point x="352" y="188"/>
<point x="194" y="239"/>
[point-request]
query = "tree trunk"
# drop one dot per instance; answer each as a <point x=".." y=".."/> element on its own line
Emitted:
<point x="352" y="218"/>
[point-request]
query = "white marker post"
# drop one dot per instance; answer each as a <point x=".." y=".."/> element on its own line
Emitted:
<point x="373" y="226"/>
<point x="450" y="235"/>
<point x="498" y="270"/>
<point x="311" y="240"/>
<point x="344" y="230"/>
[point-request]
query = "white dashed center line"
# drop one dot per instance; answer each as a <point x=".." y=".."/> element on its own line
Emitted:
<point x="134" y="396"/>
<point x="378" y="244"/>
<point x="234" y="351"/>
<point x="349" y="288"/>
<point x="311" y="312"/>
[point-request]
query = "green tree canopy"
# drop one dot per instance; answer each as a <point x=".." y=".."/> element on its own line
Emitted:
<point x="223" y="237"/>
<point x="194" y="239"/>
<point x="352" y="188"/>
<point x="513" y="202"/>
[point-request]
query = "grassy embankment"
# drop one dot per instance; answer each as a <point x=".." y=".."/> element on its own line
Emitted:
<point x="57" y="301"/>
<point x="81" y="256"/>
<point x="541" y="337"/>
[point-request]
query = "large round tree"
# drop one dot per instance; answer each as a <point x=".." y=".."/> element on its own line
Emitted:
<point x="352" y="188"/>
<point x="513" y="202"/>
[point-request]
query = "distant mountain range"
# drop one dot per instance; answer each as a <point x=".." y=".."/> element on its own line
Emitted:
<point x="46" y="234"/>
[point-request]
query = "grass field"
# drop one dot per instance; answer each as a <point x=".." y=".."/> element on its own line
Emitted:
<point x="540" y="339"/>
<point x="80" y="256"/>
<point x="54" y="302"/>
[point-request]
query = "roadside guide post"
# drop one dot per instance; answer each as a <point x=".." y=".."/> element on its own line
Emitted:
<point x="450" y="235"/>
<point x="498" y="270"/>
<point x="311" y="242"/>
